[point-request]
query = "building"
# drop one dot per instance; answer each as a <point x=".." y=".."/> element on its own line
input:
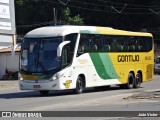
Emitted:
<point x="7" y="34"/>
<point x="7" y="60"/>
<point x="7" y="23"/>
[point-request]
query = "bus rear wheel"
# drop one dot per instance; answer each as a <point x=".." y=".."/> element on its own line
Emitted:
<point x="131" y="81"/>
<point x="79" y="85"/>
<point x="44" y="92"/>
<point x="138" y="80"/>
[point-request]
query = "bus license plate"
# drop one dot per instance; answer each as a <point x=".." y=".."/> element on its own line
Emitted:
<point x="36" y="86"/>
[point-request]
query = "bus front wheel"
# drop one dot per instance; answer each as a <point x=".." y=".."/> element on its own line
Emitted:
<point x="131" y="80"/>
<point x="44" y="92"/>
<point x="79" y="85"/>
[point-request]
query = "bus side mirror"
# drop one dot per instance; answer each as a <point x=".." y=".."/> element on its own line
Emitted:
<point x="60" y="47"/>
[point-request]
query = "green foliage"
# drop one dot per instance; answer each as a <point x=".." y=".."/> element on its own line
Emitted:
<point x="67" y="12"/>
<point x="65" y="15"/>
<point x="75" y="20"/>
<point x="31" y="14"/>
<point x="20" y="2"/>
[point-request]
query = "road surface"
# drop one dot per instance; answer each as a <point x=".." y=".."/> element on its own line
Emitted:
<point x="113" y="99"/>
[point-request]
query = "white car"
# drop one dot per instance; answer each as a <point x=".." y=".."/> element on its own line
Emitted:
<point x="157" y="65"/>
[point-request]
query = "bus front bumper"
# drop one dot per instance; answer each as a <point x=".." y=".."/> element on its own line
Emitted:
<point x="39" y="85"/>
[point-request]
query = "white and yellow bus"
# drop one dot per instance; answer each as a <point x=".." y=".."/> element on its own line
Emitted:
<point x="77" y="57"/>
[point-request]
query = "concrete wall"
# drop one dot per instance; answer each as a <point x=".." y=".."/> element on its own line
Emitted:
<point x="7" y="17"/>
<point x="7" y="23"/>
<point x="6" y="60"/>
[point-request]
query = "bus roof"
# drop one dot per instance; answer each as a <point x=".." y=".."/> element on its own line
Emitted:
<point x="55" y="31"/>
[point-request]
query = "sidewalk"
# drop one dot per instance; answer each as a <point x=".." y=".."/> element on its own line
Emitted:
<point x="8" y="84"/>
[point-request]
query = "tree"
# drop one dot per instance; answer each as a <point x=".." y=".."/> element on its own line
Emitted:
<point x="20" y="2"/>
<point x="76" y="20"/>
<point x="31" y="14"/>
<point x="67" y="19"/>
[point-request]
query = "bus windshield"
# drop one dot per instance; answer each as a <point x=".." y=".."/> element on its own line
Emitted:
<point x="40" y="54"/>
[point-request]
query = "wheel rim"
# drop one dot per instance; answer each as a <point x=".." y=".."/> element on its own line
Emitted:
<point x="79" y="84"/>
<point x="138" y="80"/>
<point x="131" y="82"/>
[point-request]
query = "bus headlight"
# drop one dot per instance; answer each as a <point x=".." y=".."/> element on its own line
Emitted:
<point x="57" y="76"/>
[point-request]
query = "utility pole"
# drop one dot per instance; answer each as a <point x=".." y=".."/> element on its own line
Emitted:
<point x="55" y="16"/>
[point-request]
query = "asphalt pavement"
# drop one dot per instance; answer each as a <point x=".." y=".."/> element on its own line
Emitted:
<point x="146" y="98"/>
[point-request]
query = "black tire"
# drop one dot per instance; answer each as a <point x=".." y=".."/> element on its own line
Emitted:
<point x="138" y="80"/>
<point x="131" y="80"/>
<point x="44" y="92"/>
<point x="79" y="85"/>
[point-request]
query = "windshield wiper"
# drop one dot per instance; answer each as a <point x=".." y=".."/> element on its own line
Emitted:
<point x="43" y="68"/>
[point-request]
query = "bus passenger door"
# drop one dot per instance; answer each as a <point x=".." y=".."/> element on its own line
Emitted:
<point x="65" y="60"/>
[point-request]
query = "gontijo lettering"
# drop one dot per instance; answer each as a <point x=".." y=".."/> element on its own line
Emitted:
<point x="128" y="58"/>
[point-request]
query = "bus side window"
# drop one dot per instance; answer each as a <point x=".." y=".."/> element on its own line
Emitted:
<point x="136" y="44"/>
<point x="131" y="44"/>
<point x="148" y="43"/>
<point x="84" y="44"/>
<point x="114" y="44"/>
<point x="141" y="45"/>
<point x="81" y="47"/>
<point x="106" y="43"/>
<point x="125" y="44"/>
<point x="72" y="38"/>
<point x="97" y="43"/>
<point x="88" y="44"/>
<point x="121" y="43"/>
<point x="107" y="48"/>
